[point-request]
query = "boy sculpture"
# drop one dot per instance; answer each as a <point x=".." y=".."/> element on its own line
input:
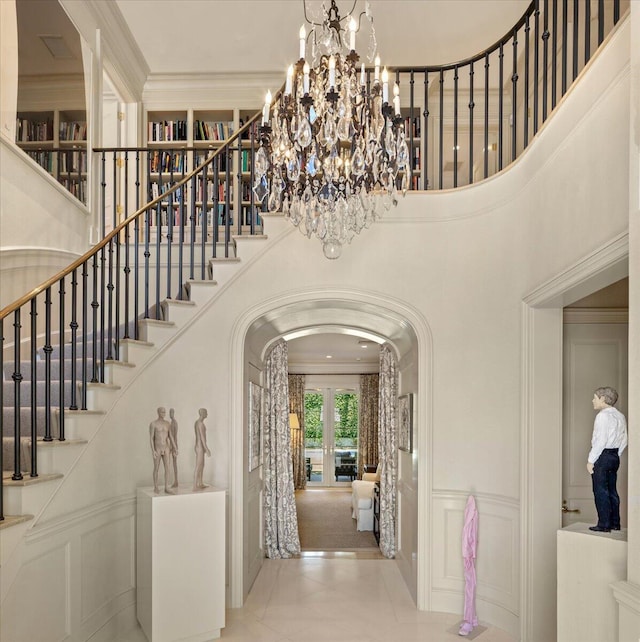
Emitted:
<point x="607" y="444"/>
<point x="162" y="445"/>
<point x="201" y="448"/>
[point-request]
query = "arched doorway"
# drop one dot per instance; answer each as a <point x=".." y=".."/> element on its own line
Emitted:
<point x="407" y="332"/>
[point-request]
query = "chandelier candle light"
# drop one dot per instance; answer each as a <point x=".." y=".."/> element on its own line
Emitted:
<point x="332" y="154"/>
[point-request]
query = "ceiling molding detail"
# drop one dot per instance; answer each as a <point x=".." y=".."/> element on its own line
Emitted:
<point x="121" y="57"/>
<point x="596" y="315"/>
<point x="211" y="90"/>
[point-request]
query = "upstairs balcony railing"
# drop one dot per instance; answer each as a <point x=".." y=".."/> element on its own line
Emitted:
<point x="166" y="213"/>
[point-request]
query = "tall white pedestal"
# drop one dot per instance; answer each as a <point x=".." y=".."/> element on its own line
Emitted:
<point x="588" y="563"/>
<point x="181" y="564"/>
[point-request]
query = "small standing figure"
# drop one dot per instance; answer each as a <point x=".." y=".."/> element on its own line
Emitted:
<point x="607" y="444"/>
<point x="201" y="448"/>
<point x="174" y="451"/>
<point x="162" y="444"/>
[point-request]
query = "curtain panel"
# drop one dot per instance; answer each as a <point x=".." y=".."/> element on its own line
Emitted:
<point x="368" y="422"/>
<point x="280" y="515"/>
<point x="387" y="442"/>
<point x="296" y="404"/>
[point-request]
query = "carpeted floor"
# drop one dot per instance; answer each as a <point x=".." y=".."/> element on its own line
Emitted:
<point x="325" y="522"/>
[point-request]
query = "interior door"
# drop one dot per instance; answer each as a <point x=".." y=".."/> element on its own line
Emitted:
<point x="595" y="355"/>
<point x="331" y="436"/>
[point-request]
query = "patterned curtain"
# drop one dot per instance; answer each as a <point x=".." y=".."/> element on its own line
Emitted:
<point x="368" y="422"/>
<point x="280" y="516"/>
<point x="387" y="440"/>
<point x="296" y="404"/>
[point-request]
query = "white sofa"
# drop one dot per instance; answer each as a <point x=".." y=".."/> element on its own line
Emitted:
<point x="362" y="500"/>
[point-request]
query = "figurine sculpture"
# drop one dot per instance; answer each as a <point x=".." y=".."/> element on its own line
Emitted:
<point x="201" y="448"/>
<point x="162" y="445"/>
<point x="607" y="444"/>
<point x="174" y="451"/>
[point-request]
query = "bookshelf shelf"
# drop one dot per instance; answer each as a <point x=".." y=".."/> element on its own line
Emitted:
<point x="57" y="141"/>
<point x="181" y="140"/>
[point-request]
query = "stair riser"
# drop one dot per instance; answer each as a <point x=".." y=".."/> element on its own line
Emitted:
<point x="131" y="352"/>
<point x="178" y="313"/>
<point x="21" y="500"/>
<point x="201" y="292"/>
<point x="117" y="374"/>
<point x="222" y="271"/>
<point x="57" y="459"/>
<point x="156" y="334"/>
<point x="81" y="425"/>
<point x="99" y="397"/>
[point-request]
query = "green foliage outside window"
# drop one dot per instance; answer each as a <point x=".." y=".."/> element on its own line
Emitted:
<point x="346" y="419"/>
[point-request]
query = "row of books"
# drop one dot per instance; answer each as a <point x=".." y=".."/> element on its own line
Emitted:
<point x="30" y="131"/>
<point x="44" y="158"/>
<point x="156" y="189"/>
<point x="412" y="127"/>
<point x="72" y="162"/>
<point x="211" y="190"/>
<point x="73" y="130"/>
<point x="165" y="161"/>
<point x="212" y="130"/>
<point x="77" y="187"/>
<point x="167" y="130"/>
<point x="201" y="157"/>
<point x="415" y="158"/>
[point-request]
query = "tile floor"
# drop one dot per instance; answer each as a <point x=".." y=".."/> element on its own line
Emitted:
<point x="344" y="597"/>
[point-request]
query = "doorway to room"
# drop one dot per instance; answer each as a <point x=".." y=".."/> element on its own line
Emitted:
<point x="331" y="436"/>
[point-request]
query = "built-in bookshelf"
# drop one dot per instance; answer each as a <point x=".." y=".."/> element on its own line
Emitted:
<point x="182" y="140"/>
<point x="57" y="141"/>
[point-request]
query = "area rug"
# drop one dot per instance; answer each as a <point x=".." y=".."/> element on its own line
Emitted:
<point x="325" y="522"/>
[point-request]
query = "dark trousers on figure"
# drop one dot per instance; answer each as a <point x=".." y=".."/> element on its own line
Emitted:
<point x="604" y="478"/>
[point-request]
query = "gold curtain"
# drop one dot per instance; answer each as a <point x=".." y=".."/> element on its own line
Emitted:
<point x="368" y="422"/>
<point x="296" y="404"/>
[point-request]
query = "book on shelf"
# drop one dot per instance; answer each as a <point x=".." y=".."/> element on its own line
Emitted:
<point x="201" y="157"/>
<point x="72" y="162"/>
<point x="167" y="162"/>
<point x="412" y="127"/>
<point x="28" y="131"/>
<point x="73" y="130"/>
<point x="167" y="130"/>
<point x="212" y="130"/>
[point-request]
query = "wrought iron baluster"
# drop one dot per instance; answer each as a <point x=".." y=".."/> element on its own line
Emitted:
<point x="34" y="389"/>
<point x="228" y="210"/>
<point x="136" y="253"/>
<point x="536" y="62"/>
<point x="48" y="349"/>
<point x="109" y="354"/>
<point x="74" y="338"/>
<point x="600" y="21"/>
<point x="525" y="139"/>
<point x="441" y="141"/>
<point x="62" y="364"/>
<point x="471" y="113"/>
<point x="2" y="425"/>
<point x="575" y="39"/>
<point x="587" y="32"/>
<point x="554" y="54"/>
<point x="565" y="52"/>
<point x="486" y="115"/>
<point x="425" y="156"/>
<point x="514" y="97"/>
<point x="103" y="188"/>
<point x="500" y="105"/>
<point x="17" y="380"/>
<point x="127" y="250"/>
<point x="95" y="305"/>
<point x="85" y="331"/>
<point x="216" y="206"/>
<point x="103" y="261"/>
<point x="204" y="223"/>
<point x="545" y="61"/>
<point x="455" y="126"/>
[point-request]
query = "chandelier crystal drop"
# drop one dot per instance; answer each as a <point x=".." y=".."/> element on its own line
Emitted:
<point x="332" y="153"/>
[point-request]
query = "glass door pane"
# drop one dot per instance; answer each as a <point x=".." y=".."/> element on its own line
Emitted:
<point x="314" y="447"/>
<point x="345" y="431"/>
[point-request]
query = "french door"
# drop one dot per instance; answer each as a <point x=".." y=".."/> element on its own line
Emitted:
<point x="331" y="436"/>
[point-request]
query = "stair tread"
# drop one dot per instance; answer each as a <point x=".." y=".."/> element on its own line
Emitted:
<point x="56" y="443"/>
<point x="138" y="342"/>
<point x="225" y="259"/>
<point x="158" y="322"/>
<point x="12" y="520"/>
<point x="178" y="302"/>
<point x="29" y="481"/>
<point x="115" y="362"/>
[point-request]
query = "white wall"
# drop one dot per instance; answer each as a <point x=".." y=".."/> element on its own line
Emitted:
<point x="458" y="266"/>
<point x="43" y="227"/>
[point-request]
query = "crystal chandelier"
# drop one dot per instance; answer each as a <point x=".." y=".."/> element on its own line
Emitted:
<point x="332" y="151"/>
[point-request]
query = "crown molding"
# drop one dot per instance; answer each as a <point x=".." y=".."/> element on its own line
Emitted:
<point x="122" y="59"/>
<point x="210" y="90"/>
<point x="596" y="315"/>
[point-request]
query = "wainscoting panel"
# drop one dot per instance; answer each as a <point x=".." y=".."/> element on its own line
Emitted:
<point x="77" y="577"/>
<point x="497" y="562"/>
<point x="37" y="606"/>
<point x="106" y="575"/>
<point x="406" y="556"/>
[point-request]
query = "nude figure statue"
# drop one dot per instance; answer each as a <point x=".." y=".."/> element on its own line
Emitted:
<point x="162" y="444"/>
<point x="201" y="448"/>
<point x="174" y="451"/>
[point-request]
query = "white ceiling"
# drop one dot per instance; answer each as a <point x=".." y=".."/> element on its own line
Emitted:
<point x="213" y="36"/>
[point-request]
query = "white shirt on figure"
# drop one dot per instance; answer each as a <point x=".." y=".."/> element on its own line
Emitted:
<point x="609" y="431"/>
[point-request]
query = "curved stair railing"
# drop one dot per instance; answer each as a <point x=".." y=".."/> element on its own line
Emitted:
<point x="56" y="339"/>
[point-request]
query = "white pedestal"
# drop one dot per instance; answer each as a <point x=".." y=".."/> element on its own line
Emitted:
<point x="588" y="563"/>
<point x="181" y="564"/>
